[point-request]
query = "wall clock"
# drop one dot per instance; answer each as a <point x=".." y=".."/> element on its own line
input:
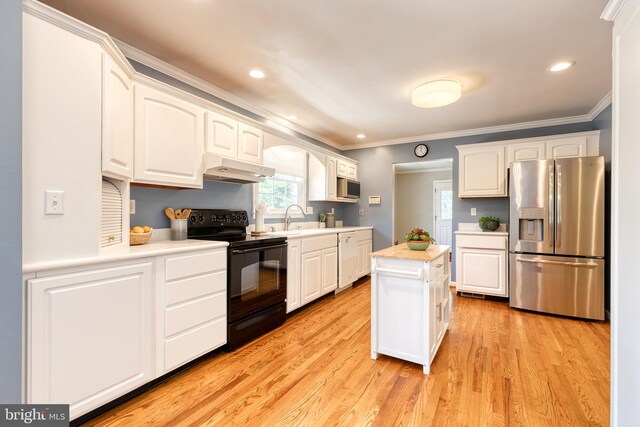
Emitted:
<point x="421" y="150"/>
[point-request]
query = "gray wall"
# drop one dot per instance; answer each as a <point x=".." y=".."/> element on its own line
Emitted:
<point x="11" y="190"/>
<point x="375" y="172"/>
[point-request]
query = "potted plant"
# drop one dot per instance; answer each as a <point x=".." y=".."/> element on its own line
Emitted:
<point x="418" y="239"/>
<point x="489" y="223"/>
<point x="321" y="219"/>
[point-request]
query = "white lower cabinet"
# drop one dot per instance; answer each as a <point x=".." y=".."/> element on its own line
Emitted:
<point x="481" y="262"/>
<point x="365" y="246"/>
<point x="311" y="276"/>
<point x="89" y="335"/>
<point x="329" y="270"/>
<point x="191" y="307"/>
<point x="293" y="275"/>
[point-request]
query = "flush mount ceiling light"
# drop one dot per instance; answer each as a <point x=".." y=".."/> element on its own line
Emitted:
<point x="361" y="136"/>
<point x="257" y="74"/>
<point x="436" y="93"/>
<point x="561" y="66"/>
<point x="292" y="117"/>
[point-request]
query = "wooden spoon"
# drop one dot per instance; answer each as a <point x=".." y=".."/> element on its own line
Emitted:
<point x="186" y="213"/>
<point x="170" y="213"/>
<point x="178" y="213"/>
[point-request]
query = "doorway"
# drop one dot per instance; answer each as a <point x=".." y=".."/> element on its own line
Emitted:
<point x="417" y="201"/>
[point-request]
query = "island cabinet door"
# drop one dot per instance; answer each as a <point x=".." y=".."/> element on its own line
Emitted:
<point x="399" y="305"/>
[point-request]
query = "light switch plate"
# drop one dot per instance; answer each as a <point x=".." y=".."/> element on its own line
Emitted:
<point x="132" y="206"/>
<point x="309" y="210"/>
<point x="361" y="212"/>
<point x="53" y="202"/>
<point x="473" y="211"/>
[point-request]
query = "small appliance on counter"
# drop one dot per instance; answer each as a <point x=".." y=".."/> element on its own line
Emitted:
<point x="256" y="273"/>
<point x="556" y="246"/>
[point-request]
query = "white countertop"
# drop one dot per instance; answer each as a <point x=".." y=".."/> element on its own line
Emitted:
<point x="299" y="234"/>
<point x="483" y="233"/>
<point x="401" y="251"/>
<point x="162" y="247"/>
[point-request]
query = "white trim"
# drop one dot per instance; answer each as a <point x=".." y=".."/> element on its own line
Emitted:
<point x="424" y="171"/>
<point x="437" y="182"/>
<point x="602" y="104"/>
<point x="611" y="10"/>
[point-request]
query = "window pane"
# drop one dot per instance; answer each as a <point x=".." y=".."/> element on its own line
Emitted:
<point x="446" y="204"/>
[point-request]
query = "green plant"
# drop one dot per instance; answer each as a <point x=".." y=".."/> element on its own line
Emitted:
<point x="489" y="223"/>
<point x="322" y="216"/>
<point x="419" y="234"/>
<point x="489" y="219"/>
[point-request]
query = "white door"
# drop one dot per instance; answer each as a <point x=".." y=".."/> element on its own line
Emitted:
<point x="442" y="211"/>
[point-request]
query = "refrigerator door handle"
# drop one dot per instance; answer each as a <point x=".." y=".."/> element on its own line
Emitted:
<point x="551" y="211"/>
<point x="571" y="264"/>
<point x="559" y="208"/>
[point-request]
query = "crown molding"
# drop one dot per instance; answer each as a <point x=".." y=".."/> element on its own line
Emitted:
<point x="602" y="104"/>
<point x="175" y="72"/>
<point x="611" y="10"/>
<point x="79" y="28"/>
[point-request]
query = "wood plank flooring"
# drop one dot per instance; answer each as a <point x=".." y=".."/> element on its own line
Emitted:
<point x="496" y="367"/>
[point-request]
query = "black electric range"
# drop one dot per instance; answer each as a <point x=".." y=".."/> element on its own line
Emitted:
<point x="256" y="273"/>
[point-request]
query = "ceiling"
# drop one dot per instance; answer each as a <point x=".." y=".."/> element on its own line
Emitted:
<point x="348" y="67"/>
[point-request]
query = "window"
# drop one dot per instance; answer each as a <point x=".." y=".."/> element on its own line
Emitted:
<point x="288" y="185"/>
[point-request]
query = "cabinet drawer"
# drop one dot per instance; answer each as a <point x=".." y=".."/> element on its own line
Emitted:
<point x="182" y="348"/>
<point x="436" y="268"/>
<point x="482" y="242"/>
<point x="319" y="243"/>
<point x="194" y="287"/>
<point x="190" y="314"/>
<point x="362" y="235"/>
<point x="194" y="264"/>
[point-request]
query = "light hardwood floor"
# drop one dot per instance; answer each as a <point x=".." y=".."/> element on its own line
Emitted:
<point x="496" y="367"/>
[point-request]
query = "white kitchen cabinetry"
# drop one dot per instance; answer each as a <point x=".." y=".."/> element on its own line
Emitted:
<point x="526" y="151"/>
<point x="365" y="246"/>
<point x="347" y="170"/>
<point x="318" y="268"/>
<point x="323" y="180"/>
<point x="482" y="172"/>
<point x="410" y="307"/>
<point x="229" y="138"/>
<point x="117" y="120"/>
<point x="250" y="143"/>
<point x="482" y="168"/>
<point x="570" y="147"/>
<point x="293" y="275"/>
<point x="169" y="138"/>
<point x="481" y="263"/>
<point x="89" y="335"/>
<point x="191" y="307"/>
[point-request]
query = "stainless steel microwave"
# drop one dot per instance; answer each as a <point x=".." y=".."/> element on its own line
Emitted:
<point x="348" y="189"/>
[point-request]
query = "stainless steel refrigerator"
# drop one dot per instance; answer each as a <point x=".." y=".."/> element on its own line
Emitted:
<point x="556" y="239"/>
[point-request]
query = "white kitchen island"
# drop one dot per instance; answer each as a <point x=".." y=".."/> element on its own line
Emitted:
<point x="410" y="302"/>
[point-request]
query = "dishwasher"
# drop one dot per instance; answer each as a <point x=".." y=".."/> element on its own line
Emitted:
<point x="348" y="259"/>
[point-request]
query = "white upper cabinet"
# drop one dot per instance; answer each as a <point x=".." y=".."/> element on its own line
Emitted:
<point x="169" y="139"/>
<point x="229" y="138"/>
<point x="570" y="147"/>
<point x="482" y="172"/>
<point x="323" y="179"/>
<point x="117" y="120"/>
<point x="347" y="170"/>
<point x="222" y="135"/>
<point x="526" y="151"/>
<point x="482" y="168"/>
<point x="250" y="143"/>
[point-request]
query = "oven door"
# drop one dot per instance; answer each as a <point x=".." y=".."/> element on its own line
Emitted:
<point x="257" y="279"/>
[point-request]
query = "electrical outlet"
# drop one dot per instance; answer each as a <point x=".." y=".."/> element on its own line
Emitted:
<point x="361" y="212"/>
<point x="309" y="210"/>
<point x="54" y="202"/>
<point x="132" y="207"/>
<point x="473" y="211"/>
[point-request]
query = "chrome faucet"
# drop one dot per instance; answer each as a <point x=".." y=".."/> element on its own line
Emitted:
<point x="287" y="218"/>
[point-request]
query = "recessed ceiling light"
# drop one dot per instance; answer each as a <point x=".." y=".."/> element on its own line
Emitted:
<point x="560" y="66"/>
<point x="436" y="93"/>
<point x="256" y="74"/>
<point x="361" y="136"/>
<point x="292" y="117"/>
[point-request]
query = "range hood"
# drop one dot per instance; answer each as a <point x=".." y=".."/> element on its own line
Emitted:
<point x="218" y="168"/>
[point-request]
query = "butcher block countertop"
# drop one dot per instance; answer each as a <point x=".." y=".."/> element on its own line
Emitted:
<point x="401" y="251"/>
